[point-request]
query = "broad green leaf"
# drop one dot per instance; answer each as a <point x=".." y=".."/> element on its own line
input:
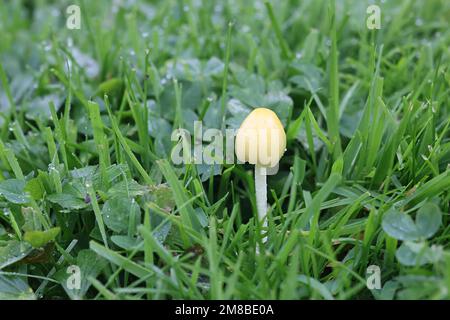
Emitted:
<point x="213" y="67"/>
<point x="15" y="288"/>
<point x="67" y="201"/>
<point x="35" y="188"/>
<point x="387" y="292"/>
<point x="308" y="77"/>
<point x="399" y="225"/>
<point x="418" y="254"/>
<point x="163" y="196"/>
<point x="117" y="211"/>
<point x="14" y="191"/>
<point x="40" y="238"/>
<point x="428" y="220"/>
<point x="88" y="264"/>
<point x="13" y="252"/>
<point x="127" y="242"/>
<point x="418" y="286"/>
<point x="111" y="87"/>
<point x="32" y="221"/>
<point x="127" y="189"/>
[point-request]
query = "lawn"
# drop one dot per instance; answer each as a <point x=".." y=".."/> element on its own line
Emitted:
<point x="93" y="205"/>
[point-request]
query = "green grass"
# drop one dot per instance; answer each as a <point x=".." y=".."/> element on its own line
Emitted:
<point x="86" y="177"/>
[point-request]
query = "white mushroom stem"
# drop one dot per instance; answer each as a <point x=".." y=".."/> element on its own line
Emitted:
<point x="261" y="193"/>
<point x="263" y="131"/>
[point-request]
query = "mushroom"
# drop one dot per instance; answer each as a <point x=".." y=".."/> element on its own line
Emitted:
<point x="261" y="141"/>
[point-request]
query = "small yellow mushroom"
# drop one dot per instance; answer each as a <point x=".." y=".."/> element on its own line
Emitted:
<point x="261" y="141"/>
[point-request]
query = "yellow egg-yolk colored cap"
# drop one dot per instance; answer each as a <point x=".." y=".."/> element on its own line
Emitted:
<point x="261" y="139"/>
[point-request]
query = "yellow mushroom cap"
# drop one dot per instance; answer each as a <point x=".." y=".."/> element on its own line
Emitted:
<point x="261" y="139"/>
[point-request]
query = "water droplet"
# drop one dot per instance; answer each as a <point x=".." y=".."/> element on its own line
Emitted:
<point x="298" y="55"/>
